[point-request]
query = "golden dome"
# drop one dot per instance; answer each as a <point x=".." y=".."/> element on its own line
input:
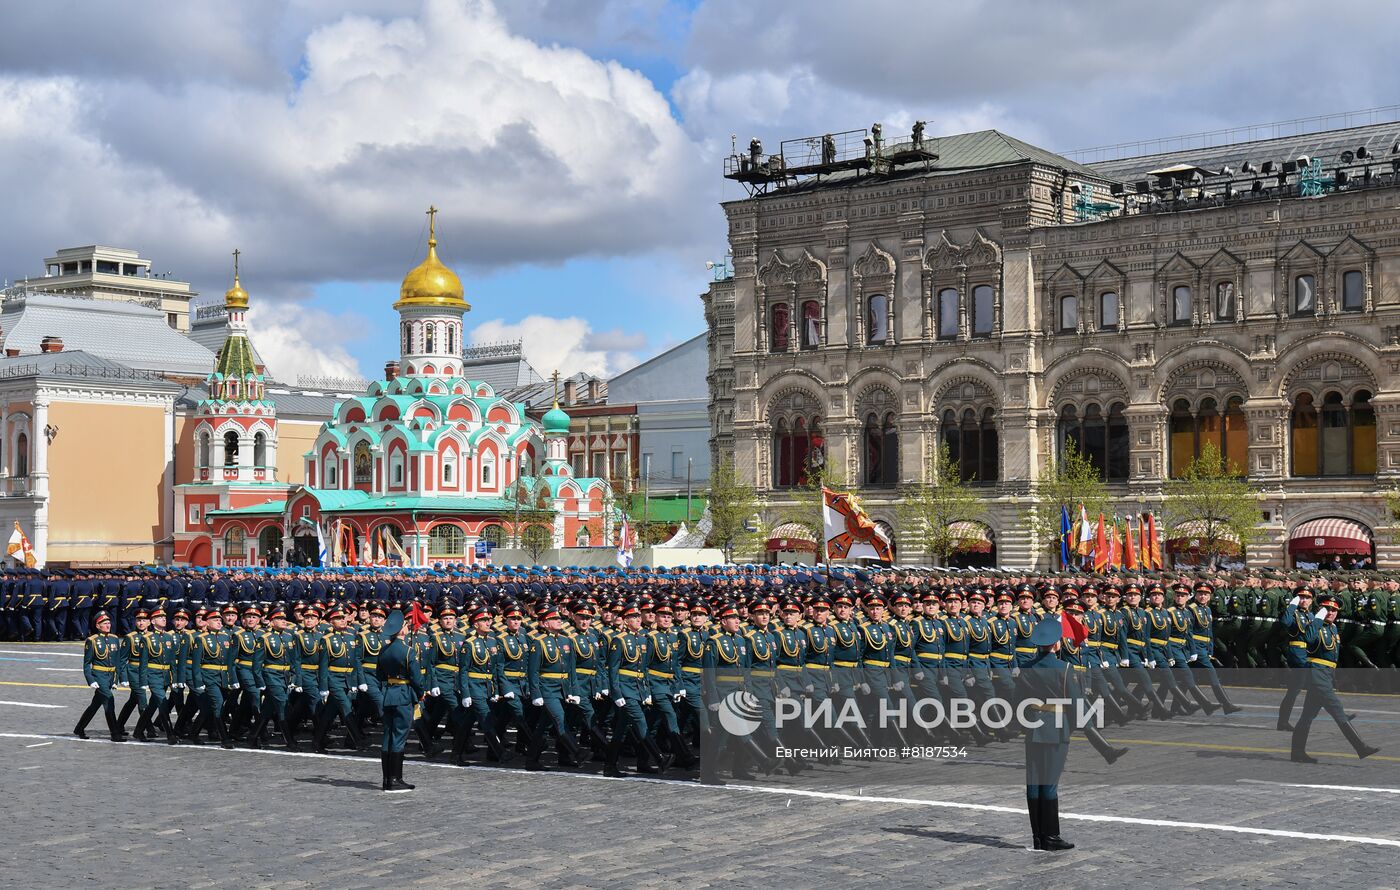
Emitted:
<point x="431" y="283"/>
<point x="236" y="297"/>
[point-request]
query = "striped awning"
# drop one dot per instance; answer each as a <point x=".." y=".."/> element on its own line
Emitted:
<point x="973" y="537"/>
<point x="1189" y="536"/>
<point x="1329" y="536"/>
<point x="792" y="536"/>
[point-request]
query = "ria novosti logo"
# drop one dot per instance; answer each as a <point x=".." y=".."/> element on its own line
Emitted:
<point x="740" y="713"/>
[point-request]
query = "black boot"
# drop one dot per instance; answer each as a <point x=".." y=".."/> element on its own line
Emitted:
<point x="323" y="728"/>
<point x="425" y="739"/>
<point x="610" y="767"/>
<point x="1050" y="824"/>
<point x="397" y="778"/>
<point x="1299" y="753"/>
<point x="662" y="761"/>
<point x="115" y="727"/>
<point x="1362" y="749"/>
<point x="1202" y="700"/>
<point x="680" y="748"/>
<point x="224" y="741"/>
<point x="1220" y="696"/>
<point x="568" y="750"/>
<point x="1037" y="831"/>
<point x="386" y="766"/>
<point x="255" y="736"/>
<point x="1109" y="753"/>
<point x="81" y="729"/>
<point x="536" y="750"/>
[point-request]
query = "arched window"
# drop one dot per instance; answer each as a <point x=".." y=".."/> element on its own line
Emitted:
<point x="811" y="324"/>
<point x="331" y="470"/>
<point x="1101" y="439"/>
<point x="449" y="468"/>
<point x="1108" y="311"/>
<point x="493" y="535"/>
<point x="429" y="337"/>
<point x="235" y="543"/>
<point x="1225" y="301"/>
<point x="447" y="540"/>
<point x="1181" y="304"/>
<point x="202" y="458"/>
<point x="259" y="450"/>
<point x="970" y="439"/>
<point x="1337" y="440"/>
<point x="488" y="469"/>
<point x="583" y="538"/>
<point x="877" y="318"/>
<point x="230" y="449"/>
<point x="1069" y="313"/>
<point x="364" y="465"/>
<point x="948" y="313"/>
<point x="1353" y="292"/>
<point x="396" y="467"/>
<point x="22" y="455"/>
<point x="779" y="318"/>
<point x="1304" y="295"/>
<point x="797" y="450"/>
<point x="983" y="310"/>
<point x="1190" y="431"/>
<point x="451" y="338"/>
<point x="407" y="334"/>
<point x="881" y="449"/>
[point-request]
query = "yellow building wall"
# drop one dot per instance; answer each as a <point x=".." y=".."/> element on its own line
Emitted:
<point x="106" y="469"/>
<point x="294" y="439"/>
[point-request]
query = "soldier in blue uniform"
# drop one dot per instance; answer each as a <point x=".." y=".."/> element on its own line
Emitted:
<point x="100" y="662"/>
<point x="400" y="692"/>
<point x="1323" y="647"/>
<point x="1045" y="678"/>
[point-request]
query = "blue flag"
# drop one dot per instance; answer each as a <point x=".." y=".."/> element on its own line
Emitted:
<point x="1064" y="536"/>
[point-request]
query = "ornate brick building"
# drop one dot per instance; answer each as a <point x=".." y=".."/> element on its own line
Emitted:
<point x="1011" y="303"/>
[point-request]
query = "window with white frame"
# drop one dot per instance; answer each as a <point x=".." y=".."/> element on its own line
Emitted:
<point x="449" y="468"/>
<point x="488" y="469"/>
<point x="194" y="514"/>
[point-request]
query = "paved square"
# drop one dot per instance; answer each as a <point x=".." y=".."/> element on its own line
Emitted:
<point x="147" y="815"/>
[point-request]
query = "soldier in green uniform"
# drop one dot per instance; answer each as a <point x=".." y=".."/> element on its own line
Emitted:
<point x="159" y="671"/>
<point x="401" y="690"/>
<point x="129" y="666"/>
<point x="515" y="662"/>
<point x="550" y="684"/>
<point x="339" y="674"/>
<point x="443" y="681"/>
<point x="186" y="634"/>
<point x="100" y="663"/>
<point x="481" y="684"/>
<point x="663" y="679"/>
<point x="210" y="676"/>
<point x="277" y="661"/>
<point x="1323" y="646"/>
<point x="1203" y="643"/>
<point x="247" y="670"/>
<point x="1297" y="618"/>
<point x="627" y="670"/>
<point x="1046" y="678"/>
<point x="726" y="668"/>
<point x="690" y="693"/>
<point x="372" y="639"/>
<point x="306" y="671"/>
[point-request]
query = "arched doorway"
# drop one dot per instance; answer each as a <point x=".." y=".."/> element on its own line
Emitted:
<point x="791" y="542"/>
<point x="270" y="545"/>
<point x="200" y="553"/>
<point x="1332" y="543"/>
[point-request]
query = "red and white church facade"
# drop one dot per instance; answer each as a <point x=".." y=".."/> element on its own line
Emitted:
<point x="417" y="469"/>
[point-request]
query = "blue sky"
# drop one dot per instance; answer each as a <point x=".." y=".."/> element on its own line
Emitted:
<point x="574" y="146"/>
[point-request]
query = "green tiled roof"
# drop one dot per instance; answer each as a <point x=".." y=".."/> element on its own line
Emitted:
<point x="236" y="358"/>
<point x="427" y="504"/>
<point x="270" y="508"/>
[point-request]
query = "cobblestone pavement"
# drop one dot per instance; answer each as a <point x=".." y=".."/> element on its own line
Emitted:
<point x="99" y="814"/>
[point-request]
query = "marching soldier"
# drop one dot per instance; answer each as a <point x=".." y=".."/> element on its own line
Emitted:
<point x="481" y="683"/>
<point x="1045" y="678"/>
<point x="443" y="672"/>
<point x="627" y="669"/>
<point x="210" y="676"/>
<point x="1297" y="619"/>
<point x="129" y="669"/>
<point x="551" y="683"/>
<point x="101" y="661"/>
<point x="1323" y="645"/>
<point x="159" y="671"/>
<point x="400" y="692"/>
<point x="340" y="678"/>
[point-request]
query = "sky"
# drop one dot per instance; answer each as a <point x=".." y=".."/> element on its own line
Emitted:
<point x="574" y="147"/>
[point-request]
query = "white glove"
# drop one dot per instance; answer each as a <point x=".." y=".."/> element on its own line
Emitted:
<point x="1321" y="613"/>
<point x="1122" y="662"/>
<point x="537" y="702"/>
<point x="835" y="687"/>
<point x="807" y="689"/>
<point x="597" y="696"/>
<point x="680" y="694"/>
<point x="509" y="695"/>
<point x="647" y="700"/>
<point x="942" y="681"/>
<point x="1015" y="672"/>
<point x="467" y="702"/>
<point x="1294" y="601"/>
<point x="899" y="687"/>
<point x="364" y="687"/>
<point x="325" y="694"/>
<point x="1104" y="665"/>
<point x="971" y="681"/>
<point x="573" y="699"/>
<point x="918" y="675"/>
<point x="236" y="686"/>
<point x="95" y="685"/>
<point x="715" y="707"/>
<point x="1171" y="662"/>
<point x="201" y="689"/>
<point x="435" y="691"/>
<point x="620" y="702"/>
<point x="495" y="698"/>
<point x="605" y="693"/>
<point x="1193" y="657"/>
<point x="145" y="689"/>
<point x="784" y="692"/>
<point x="264" y="688"/>
<point x="865" y="688"/>
<point x="299" y="689"/>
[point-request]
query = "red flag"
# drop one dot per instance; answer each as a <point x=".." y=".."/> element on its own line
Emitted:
<point x="1144" y="543"/>
<point x="1153" y="543"/>
<point x="1101" y="554"/>
<point x="1130" y="559"/>
<point x="1074" y="630"/>
<point x="416" y="616"/>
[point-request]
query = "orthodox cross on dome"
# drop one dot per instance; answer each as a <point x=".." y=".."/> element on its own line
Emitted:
<point x="555" y="377"/>
<point x="432" y="226"/>
<point x="236" y="254"/>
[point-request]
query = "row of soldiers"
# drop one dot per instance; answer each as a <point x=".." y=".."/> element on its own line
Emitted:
<point x="1247" y="607"/>
<point x="608" y="671"/>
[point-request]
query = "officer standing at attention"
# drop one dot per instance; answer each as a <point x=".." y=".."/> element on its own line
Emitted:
<point x="100" y="659"/>
<point x="1045" y="677"/>
<point x="400" y="692"/>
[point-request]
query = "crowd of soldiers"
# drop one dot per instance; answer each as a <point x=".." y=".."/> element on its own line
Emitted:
<point x="637" y="661"/>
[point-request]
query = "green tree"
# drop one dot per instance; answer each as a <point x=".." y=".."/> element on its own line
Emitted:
<point x="535" y="539"/>
<point x="1212" y="505"/>
<point x="807" y="500"/>
<point x="1074" y="482"/>
<point x="931" y="512"/>
<point x="733" y="508"/>
<point x="533" y="509"/>
<point x="1392" y="512"/>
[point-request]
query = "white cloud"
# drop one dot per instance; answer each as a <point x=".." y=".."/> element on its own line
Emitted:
<point x="567" y="345"/>
<point x="296" y="340"/>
